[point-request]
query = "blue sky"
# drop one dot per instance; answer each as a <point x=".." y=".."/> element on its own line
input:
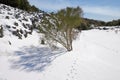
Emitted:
<point x="105" y="10"/>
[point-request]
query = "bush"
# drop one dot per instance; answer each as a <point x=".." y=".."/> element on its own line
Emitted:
<point x="21" y="31"/>
<point x="16" y="33"/>
<point x="14" y="27"/>
<point x="25" y="19"/>
<point x="15" y="23"/>
<point x="17" y="16"/>
<point x="7" y="26"/>
<point x="7" y="17"/>
<point x="24" y="26"/>
<point x="1" y="32"/>
<point x="42" y="41"/>
<point x="26" y="34"/>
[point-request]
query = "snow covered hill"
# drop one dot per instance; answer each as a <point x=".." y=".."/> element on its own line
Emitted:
<point x="17" y="28"/>
<point x="17" y="21"/>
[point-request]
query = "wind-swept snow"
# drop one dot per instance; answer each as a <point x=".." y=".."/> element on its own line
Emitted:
<point x="96" y="56"/>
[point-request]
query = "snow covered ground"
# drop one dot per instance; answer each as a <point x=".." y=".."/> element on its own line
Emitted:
<point x="96" y="56"/>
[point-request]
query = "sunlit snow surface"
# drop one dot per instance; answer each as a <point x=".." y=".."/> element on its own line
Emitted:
<point x="96" y="56"/>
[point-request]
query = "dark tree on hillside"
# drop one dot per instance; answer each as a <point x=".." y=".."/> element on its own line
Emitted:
<point x="119" y="22"/>
<point x="33" y="8"/>
<point x="21" y="4"/>
<point x="113" y="23"/>
<point x="24" y="4"/>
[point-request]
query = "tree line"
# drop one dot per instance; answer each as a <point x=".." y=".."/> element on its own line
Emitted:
<point x="87" y="23"/>
<point x="21" y="4"/>
<point x="109" y="23"/>
<point x="113" y="23"/>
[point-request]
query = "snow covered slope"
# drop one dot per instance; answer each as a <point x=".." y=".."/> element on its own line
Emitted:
<point x="17" y="28"/>
<point x="96" y="56"/>
<point x="15" y="21"/>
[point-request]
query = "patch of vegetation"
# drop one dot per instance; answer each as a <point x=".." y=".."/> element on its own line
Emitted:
<point x="7" y="26"/>
<point x="113" y="23"/>
<point x="7" y="17"/>
<point x="16" y="33"/>
<point x="1" y="31"/>
<point x="60" y="27"/>
<point x="21" y="4"/>
<point x="15" y="23"/>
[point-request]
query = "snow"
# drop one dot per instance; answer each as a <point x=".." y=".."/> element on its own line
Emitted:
<point x="96" y="56"/>
<point x="9" y="42"/>
<point x="5" y="47"/>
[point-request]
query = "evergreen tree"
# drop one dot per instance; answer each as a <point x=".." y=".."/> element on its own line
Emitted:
<point x="21" y="4"/>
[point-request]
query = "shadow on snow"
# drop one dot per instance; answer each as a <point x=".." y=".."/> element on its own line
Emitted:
<point x="34" y="58"/>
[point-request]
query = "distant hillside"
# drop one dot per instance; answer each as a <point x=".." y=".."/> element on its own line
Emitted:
<point x="90" y="23"/>
<point x="94" y="22"/>
<point x="113" y="23"/>
<point x="21" y="4"/>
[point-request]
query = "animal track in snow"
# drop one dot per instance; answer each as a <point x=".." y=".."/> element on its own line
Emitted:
<point x="72" y="75"/>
